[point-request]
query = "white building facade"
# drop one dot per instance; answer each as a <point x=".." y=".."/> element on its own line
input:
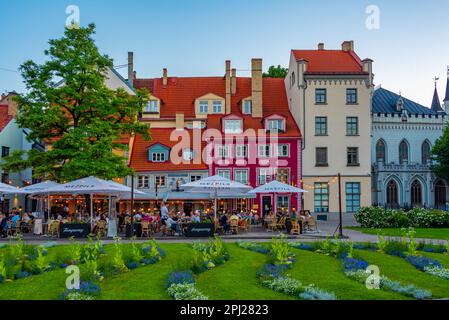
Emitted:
<point x="403" y="134"/>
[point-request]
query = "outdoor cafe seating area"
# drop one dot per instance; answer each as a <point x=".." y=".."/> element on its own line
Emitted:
<point x="98" y="214"/>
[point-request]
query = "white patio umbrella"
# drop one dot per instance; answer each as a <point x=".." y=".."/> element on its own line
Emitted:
<point x="217" y="187"/>
<point x="40" y="189"/>
<point x="7" y="189"/>
<point x="276" y="187"/>
<point x="91" y="185"/>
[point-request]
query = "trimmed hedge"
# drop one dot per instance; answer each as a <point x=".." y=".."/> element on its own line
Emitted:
<point x="378" y="217"/>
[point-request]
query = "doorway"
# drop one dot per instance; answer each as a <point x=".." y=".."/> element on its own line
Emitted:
<point x="267" y="205"/>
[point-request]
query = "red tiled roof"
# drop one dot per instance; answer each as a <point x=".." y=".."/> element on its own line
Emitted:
<point x="4" y="117"/>
<point x="330" y="61"/>
<point x="180" y="94"/>
<point x="139" y="154"/>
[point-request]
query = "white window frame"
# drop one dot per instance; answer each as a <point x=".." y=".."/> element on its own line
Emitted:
<point x="158" y="157"/>
<point x="241" y="150"/>
<point x="279" y="124"/>
<point x="262" y="150"/>
<point x="238" y="172"/>
<point x="217" y="106"/>
<point x="165" y="181"/>
<point x="143" y="182"/>
<point x="275" y="171"/>
<point x="232" y="128"/>
<point x="279" y="147"/>
<point x="152" y="106"/>
<point x="220" y="172"/>
<point x="204" y="104"/>
<point x="195" y="177"/>
<point x="268" y="173"/>
<point x="223" y="150"/>
<point x="245" y="104"/>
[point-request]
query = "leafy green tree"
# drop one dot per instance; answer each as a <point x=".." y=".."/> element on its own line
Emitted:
<point x="276" y="72"/>
<point x="440" y="154"/>
<point x="69" y="107"/>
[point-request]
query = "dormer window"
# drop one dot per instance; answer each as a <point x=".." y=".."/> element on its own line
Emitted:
<point x="158" y="153"/>
<point x="233" y="126"/>
<point x="187" y="154"/>
<point x="158" y="157"/>
<point x="275" y="125"/>
<point x="204" y="106"/>
<point x="247" y="107"/>
<point x="216" y="107"/>
<point x="152" y="107"/>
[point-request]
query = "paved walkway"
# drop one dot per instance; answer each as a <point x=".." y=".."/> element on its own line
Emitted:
<point x="326" y="229"/>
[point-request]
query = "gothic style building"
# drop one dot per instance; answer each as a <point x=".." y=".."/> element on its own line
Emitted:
<point x="403" y="134"/>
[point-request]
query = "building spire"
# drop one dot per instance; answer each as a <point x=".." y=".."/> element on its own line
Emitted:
<point x="446" y="98"/>
<point x="436" y="106"/>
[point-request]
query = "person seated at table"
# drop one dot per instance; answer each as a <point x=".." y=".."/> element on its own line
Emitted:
<point x="224" y="222"/>
<point x="172" y="224"/>
<point x="137" y="217"/>
<point x="3" y="226"/>
<point x="15" y="219"/>
<point x="195" y="218"/>
<point x="234" y="217"/>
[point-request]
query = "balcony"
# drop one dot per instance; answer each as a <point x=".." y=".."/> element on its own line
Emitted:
<point x="401" y="167"/>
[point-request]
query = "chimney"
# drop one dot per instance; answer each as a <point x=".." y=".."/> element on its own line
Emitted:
<point x="179" y="121"/>
<point x="368" y="67"/>
<point x="13" y="107"/>
<point x="164" y="77"/>
<point x="320" y="46"/>
<point x="233" y="81"/>
<point x="228" y="86"/>
<point x="347" y="46"/>
<point x="131" y="68"/>
<point x="256" y="87"/>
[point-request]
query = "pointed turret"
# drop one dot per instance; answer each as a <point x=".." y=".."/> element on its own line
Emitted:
<point x="446" y="97"/>
<point x="436" y="105"/>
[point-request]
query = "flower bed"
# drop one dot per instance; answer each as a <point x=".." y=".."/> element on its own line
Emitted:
<point x="387" y="284"/>
<point x="94" y="269"/>
<point x="181" y="286"/>
<point x="272" y="274"/>
<point x="377" y="217"/>
<point x="207" y="256"/>
<point x="357" y="269"/>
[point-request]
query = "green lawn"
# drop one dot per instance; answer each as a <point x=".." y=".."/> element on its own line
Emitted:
<point x="236" y="279"/>
<point x="399" y="269"/>
<point x="327" y="273"/>
<point x="430" y="233"/>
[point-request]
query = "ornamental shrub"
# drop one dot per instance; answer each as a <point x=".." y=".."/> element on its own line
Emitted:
<point x="185" y="291"/>
<point x="378" y="217"/>
<point x="421" y="263"/>
<point x="177" y="277"/>
<point x="312" y="293"/>
<point x="351" y="264"/>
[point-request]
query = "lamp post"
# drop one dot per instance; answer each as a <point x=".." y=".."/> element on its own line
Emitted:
<point x="339" y="207"/>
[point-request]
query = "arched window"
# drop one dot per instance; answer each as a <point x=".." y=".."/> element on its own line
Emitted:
<point x="392" y="194"/>
<point x="403" y="152"/>
<point x="440" y="194"/>
<point x="425" y="152"/>
<point x="381" y="151"/>
<point x="416" y="193"/>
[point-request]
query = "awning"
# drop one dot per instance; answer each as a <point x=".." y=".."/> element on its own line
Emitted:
<point x="184" y="196"/>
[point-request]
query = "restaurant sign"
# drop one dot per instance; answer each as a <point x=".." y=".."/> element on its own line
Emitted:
<point x="200" y="230"/>
<point x="74" y="230"/>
